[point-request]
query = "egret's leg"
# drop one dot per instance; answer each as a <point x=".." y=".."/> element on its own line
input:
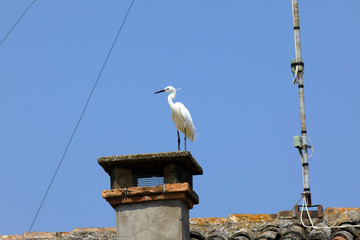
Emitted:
<point x="185" y="138"/>
<point x="178" y="140"/>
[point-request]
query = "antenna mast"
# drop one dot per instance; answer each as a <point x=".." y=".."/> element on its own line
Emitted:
<point x="298" y="68"/>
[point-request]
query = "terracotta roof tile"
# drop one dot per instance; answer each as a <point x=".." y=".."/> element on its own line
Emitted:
<point x="281" y="226"/>
<point x="278" y="226"/>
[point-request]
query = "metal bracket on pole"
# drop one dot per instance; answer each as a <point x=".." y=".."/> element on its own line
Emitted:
<point x="295" y="64"/>
<point x="319" y="213"/>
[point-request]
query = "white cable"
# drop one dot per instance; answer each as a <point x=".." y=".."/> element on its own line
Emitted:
<point x="307" y="211"/>
<point x="312" y="223"/>
<point x="304" y="204"/>
<point x="312" y="147"/>
<point x="295" y="74"/>
<point x="301" y="213"/>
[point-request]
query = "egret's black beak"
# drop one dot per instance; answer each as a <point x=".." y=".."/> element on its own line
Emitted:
<point x="159" y="91"/>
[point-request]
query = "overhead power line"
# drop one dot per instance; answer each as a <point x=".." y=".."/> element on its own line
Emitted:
<point x="22" y="15"/>
<point x="81" y="116"/>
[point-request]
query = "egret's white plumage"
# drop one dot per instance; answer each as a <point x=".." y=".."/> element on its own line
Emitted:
<point x="180" y="115"/>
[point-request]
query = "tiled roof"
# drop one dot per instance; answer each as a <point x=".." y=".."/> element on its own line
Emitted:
<point x="281" y="226"/>
<point x="77" y="233"/>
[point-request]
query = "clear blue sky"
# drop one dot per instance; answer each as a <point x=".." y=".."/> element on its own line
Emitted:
<point x="231" y="59"/>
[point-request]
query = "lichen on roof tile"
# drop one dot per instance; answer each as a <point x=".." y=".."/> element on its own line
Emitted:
<point x="238" y="227"/>
<point x="336" y="216"/>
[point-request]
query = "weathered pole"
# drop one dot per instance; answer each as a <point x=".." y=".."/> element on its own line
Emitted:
<point x="299" y="66"/>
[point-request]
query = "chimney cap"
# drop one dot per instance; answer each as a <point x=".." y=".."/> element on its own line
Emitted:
<point x="151" y="159"/>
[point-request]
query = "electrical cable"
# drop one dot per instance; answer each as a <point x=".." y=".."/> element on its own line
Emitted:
<point x="304" y="204"/>
<point x="81" y="116"/>
<point x="312" y="147"/>
<point x="295" y="74"/>
<point x="22" y="15"/>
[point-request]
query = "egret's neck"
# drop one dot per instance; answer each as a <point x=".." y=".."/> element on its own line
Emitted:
<point x="171" y="98"/>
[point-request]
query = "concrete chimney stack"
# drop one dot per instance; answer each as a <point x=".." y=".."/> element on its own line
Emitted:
<point x="152" y="194"/>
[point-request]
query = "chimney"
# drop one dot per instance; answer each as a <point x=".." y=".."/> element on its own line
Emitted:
<point x="152" y="194"/>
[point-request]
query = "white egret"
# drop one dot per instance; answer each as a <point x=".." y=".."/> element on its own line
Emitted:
<point x="180" y="115"/>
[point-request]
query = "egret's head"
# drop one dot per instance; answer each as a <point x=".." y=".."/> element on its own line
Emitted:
<point x="169" y="89"/>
